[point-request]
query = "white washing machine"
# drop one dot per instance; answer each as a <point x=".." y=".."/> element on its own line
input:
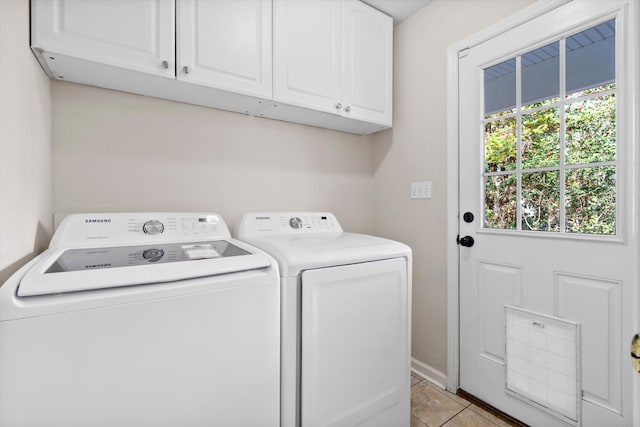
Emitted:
<point x="140" y="319"/>
<point x="346" y="302"/>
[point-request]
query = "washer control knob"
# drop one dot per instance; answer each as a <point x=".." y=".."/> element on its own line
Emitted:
<point x="153" y="227"/>
<point x="153" y="255"/>
<point x="295" y="222"/>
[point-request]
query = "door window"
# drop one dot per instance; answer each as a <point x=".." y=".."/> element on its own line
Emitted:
<point x="550" y="147"/>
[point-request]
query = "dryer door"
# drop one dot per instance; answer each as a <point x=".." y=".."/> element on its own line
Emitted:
<point x="355" y="343"/>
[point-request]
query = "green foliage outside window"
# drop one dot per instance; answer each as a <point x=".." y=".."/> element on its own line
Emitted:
<point x="590" y="188"/>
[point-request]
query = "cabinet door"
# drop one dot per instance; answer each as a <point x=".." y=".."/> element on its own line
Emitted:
<point x="136" y="35"/>
<point x="306" y="53"/>
<point x="367" y="63"/>
<point x="226" y="44"/>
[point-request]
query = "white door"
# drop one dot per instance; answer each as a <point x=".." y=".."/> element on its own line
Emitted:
<point x="367" y="63"/>
<point x="135" y="35"/>
<point x="547" y="171"/>
<point x="225" y="44"/>
<point x="355" y="345"/>
<point x="306" y="53"/>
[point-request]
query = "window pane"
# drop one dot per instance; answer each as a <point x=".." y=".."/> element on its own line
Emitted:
<point x="500" y="87"/>
<point x="541" y="201"/>
<point x="591" y="200"/>
<point x="591" y="130"/>
<point x="547" y="157"/>
<point x="500" y="145"/>
<point x="591" y="57"/>
<point x="591" y="91"/>
<point x="541" y="74"/>
<point x="500" y="202"/>
<point x="541" y="139"/>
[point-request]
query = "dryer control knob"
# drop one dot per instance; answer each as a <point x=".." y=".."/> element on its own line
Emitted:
<point x="295" y="222"/>
<point x="153" y="227"/>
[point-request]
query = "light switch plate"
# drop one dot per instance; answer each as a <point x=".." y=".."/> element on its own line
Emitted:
<point x="421" y="190"/>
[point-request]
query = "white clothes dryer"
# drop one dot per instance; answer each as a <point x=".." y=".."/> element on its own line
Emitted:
<point x="346" y="316"/>
<point x="141" y="319"/>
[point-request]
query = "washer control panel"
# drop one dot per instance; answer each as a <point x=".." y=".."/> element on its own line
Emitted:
<point x="258" y="224"/>
<point x="187" y="225"/>
<point x="131" y="228"/>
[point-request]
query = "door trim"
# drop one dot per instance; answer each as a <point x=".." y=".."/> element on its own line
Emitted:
<point x="457" y="51"/>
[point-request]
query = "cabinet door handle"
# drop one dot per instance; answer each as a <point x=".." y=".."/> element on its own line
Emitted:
<point x="165" y="65"/>
<point x="338" y="106"/>
<point x="347" y="109"/>
<point x="185" y="69"/>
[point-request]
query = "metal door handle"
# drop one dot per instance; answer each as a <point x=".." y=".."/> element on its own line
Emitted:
<point x="466" y="241"/>
<point x="185" y="69"/>
<point x="635" y="352"/>
<point x="165" y="64"/>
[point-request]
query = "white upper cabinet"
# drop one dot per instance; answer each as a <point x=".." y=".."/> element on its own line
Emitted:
<point x="334" y="56"/>
<point x="367" y="63"/>
<point x="306" y="53"/>
<point x="136" y="35"/>
<point x="325" y="63"/>
<point x="225" y="44"/>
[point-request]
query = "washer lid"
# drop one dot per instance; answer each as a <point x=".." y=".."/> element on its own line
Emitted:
<point x="82" y="269"/>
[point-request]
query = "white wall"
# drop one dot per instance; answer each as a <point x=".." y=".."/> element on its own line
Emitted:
<point x="415" y="150"/>
<point x="114" y="151"/>
<point x="25" y="147"/>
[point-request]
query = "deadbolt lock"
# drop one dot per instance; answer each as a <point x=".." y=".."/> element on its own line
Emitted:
<point x="635" y="352"/>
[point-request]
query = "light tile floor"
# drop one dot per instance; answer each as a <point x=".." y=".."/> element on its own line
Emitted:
<point x="433" y="407"/>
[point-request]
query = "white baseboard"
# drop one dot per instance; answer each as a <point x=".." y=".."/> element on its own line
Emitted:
<point x="428" y="373"/>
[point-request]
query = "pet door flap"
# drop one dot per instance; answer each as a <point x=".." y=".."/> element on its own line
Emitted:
<point x="542" y="364"/>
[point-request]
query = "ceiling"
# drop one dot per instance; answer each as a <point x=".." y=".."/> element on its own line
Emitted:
<point x="398" y="9"/>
